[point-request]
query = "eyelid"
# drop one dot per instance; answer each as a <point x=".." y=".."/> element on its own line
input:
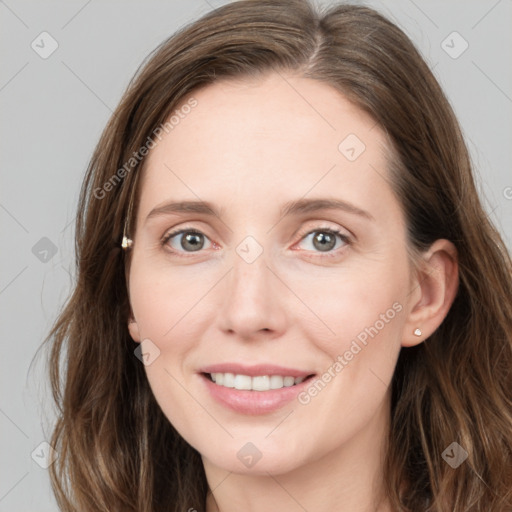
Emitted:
<point x="324" y="227"/>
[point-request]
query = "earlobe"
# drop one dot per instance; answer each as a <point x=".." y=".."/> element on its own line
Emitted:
<point x="437" y="283"/>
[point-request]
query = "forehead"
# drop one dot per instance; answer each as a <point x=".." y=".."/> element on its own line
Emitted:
<point x="277" y="109"/>
<point x="252" y="138"/>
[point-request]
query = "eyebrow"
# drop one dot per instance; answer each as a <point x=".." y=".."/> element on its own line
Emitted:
<point x="300" y="206"/>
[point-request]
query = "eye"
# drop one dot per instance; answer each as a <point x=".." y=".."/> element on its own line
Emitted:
<point x="192" y="241"/>
<point x="326" y="240"/>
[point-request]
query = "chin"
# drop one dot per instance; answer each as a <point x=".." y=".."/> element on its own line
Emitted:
<point x="247" y="458"/>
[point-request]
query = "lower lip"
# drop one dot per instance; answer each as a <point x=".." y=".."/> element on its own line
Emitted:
<point x="254" y="402"/>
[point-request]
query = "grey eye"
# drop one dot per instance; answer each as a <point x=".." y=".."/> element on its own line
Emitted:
<point x="325" y="240"/>
<point x="190" y="241"/>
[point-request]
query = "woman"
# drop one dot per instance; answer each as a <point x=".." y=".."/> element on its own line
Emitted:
<point x="288" y="293"/>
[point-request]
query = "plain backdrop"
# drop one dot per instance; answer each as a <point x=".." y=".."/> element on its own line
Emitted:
<point x="54" y="108"/>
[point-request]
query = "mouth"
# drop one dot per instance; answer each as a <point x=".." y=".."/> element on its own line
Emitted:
<point x="262" y="388"/>
<point x="260" y="383"/>
<point x="254" y="394"/>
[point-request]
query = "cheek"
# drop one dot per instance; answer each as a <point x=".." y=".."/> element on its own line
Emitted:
<point x="165" y="300"/>
<point x="166" y="304"/>
<point x="363" y="315"/>
<point x="361" y="303"/>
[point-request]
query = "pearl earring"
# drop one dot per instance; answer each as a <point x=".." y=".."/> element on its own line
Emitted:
<point x="417" y="332"/>
<point x="126" y="243"/>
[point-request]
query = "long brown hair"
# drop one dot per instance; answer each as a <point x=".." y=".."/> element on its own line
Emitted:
<point x="117" y="450"/>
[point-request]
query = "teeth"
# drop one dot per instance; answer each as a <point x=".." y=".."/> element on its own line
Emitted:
<point x="242" y="382"/>
<point x="229" y="380"/>
<point x="288" y="381"/>
<point x="276" y="382"/>
<point x="258" y="383"/>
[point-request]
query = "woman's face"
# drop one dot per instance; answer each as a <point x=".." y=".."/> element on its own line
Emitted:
<point x="277" y="283"/>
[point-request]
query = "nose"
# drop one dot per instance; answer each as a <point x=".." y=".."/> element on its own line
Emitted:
<point x="253" y="302"/>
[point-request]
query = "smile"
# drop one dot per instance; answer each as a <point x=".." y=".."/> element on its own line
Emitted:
<point x="254" y="394"/>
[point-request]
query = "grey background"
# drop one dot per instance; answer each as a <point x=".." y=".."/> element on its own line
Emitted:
<point x="53" y="111"/>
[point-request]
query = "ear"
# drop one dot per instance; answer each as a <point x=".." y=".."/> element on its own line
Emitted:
<point x="133" y="328"/>
<point x="433" y="291"/>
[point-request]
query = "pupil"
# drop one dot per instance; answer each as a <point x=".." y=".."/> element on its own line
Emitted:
<point x="194" y="241"/>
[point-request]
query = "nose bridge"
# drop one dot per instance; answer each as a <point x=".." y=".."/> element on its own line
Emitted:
<point x="249" y="281"/>
<point x="251" y="301"/>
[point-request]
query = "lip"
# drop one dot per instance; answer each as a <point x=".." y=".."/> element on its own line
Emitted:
<point x="253" y="402"/>
<point x="255" y="370"/>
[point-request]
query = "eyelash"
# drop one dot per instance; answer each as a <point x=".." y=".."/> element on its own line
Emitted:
<point x="332" y="231"/>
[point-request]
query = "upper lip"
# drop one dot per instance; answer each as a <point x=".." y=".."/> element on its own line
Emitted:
<point x="255" y="370"/>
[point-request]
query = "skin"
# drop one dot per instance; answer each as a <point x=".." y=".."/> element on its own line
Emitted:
<point x="248" y="147"/>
